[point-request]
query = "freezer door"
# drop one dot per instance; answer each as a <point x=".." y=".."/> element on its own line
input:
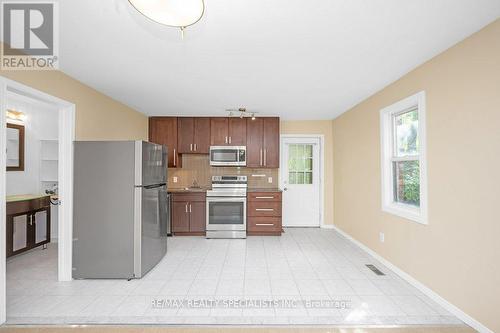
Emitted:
<point x="153" y="228"/>
<point x="151" y="163"/>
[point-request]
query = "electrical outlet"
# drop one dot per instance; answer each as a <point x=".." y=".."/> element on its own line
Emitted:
<point x="381" y="237"/>
<point x="174" y="179"/>
<point x="270" y="180"/>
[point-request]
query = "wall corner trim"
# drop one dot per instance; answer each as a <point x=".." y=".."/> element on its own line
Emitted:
<point x="417" y="284"/>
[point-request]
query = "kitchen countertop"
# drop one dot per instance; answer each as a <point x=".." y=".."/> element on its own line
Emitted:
<point x="187" y="189"/>
<point x="25" y="197"/>
<point x="204" y="189"/>
<point x="264" y="190"/>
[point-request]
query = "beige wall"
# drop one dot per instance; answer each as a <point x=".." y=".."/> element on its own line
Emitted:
<point x="457" y="254"/>
<point x="98" y="117"/>
<point x="323" y="127"/>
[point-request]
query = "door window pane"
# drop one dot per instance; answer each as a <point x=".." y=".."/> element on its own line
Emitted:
<point x="300" y="164"/>
<point x="406" y="133"/>
<point x="308" y="164"/>
<point x="308" y="178"/>
<point x="407" y="182"/>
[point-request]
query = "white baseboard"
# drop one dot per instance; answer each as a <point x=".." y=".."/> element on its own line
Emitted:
<point x="327" y="226"/>
<point x="424" y="289"/>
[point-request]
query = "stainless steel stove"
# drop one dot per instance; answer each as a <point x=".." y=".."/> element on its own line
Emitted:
<point x="227" y="207"/>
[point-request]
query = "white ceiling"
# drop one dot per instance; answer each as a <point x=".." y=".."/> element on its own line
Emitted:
<point x="299" y="59"/>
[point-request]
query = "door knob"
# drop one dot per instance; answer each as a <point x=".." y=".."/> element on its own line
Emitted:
<point x="285" y="189"/>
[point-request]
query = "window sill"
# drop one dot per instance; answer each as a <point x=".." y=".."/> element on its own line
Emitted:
<point x="406" y="211"/>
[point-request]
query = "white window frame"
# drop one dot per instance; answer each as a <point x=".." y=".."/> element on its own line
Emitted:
<point x="410" y="212"/>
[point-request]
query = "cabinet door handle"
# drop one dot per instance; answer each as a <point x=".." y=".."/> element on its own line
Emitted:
<point x="229" y="139"/>
<point x="264" y="209"/>
<point x="265" y="157"/>
<point x="225" y="140"/>
<point x="175" y="158"/>
<point x="261" y="157"/>
<point x="264" y="197"/>
<point x="264" y="224"/>
<point x="195" y="147"/>
<point x="186" y="208"/>
<point x="190" y="208"/>
<point x="191" y="147"/>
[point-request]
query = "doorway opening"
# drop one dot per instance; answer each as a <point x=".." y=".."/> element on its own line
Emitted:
<point x="37" y="134"/>
<point x="301" y="178"/>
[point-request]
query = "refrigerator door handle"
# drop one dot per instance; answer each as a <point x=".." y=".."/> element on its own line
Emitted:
<point x="163" y="212"/>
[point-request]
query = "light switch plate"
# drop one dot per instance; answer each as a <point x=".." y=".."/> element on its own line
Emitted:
<point x="174" y="179"/>
<point x="270" y="180"/>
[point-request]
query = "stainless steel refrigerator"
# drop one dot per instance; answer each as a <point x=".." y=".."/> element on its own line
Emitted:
<point x="120" y="211"/>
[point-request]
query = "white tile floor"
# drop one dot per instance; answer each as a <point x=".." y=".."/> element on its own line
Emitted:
<point x="305" y="267"/>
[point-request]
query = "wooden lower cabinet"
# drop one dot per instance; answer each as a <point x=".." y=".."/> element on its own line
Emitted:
<point x="180" y="217"/>
<point x="28" y="225"/>
<point x="198" y="219"/>
<point x="188" y="214"/>
<point x="264" y="214"/>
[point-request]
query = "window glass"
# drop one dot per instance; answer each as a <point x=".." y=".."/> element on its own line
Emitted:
<point x="300" y="164"/>
<point x="406" y="133"/>
<point x="407" y="182"/>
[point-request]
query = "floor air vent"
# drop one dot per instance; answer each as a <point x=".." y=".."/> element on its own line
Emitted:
<point x="375" y="269"/>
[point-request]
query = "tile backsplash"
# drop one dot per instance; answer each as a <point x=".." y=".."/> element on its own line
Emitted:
<point x="197" y="167"/>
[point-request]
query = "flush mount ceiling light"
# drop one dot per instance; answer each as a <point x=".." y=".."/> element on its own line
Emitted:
<point x="172" y="13"/>
<point x="243" y="112"/>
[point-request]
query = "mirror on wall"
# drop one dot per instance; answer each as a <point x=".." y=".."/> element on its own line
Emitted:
<point x="15" y="147"/>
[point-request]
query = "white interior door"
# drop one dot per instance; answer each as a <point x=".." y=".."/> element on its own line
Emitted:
<point x="301" y="181"/>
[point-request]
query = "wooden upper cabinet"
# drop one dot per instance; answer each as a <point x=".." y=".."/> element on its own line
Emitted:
<point x="263" y="143"/>
<point x="271" y="143"/>
<point x="163" y="130"/>
<point x="201" y="141"/>
<point x="237" y="131"/>
<point x="185" y="130"/>
<point x="228" y="131"/>
<point x="194" y="135"/>
<point x="219" y="135"/>
<point x="255" y="142"/>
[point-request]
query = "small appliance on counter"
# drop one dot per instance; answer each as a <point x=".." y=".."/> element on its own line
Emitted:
<point x="120" y="217"/>
<point x="227" y="207"/>
<point x="228" y="156"/>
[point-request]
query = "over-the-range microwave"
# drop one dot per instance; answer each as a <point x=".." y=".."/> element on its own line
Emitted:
<point x="228" y="155"/>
